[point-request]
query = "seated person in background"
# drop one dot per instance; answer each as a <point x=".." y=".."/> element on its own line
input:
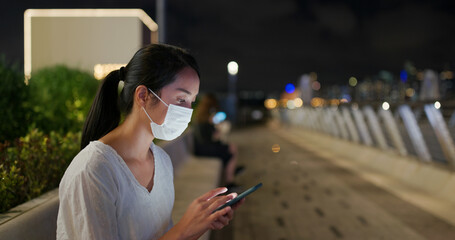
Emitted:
<point x="207" y="139"/>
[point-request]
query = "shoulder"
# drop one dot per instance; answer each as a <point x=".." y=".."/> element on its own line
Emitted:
<point x="93" y="163"/>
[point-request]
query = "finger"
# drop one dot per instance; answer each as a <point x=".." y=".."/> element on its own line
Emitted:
<point x="216" y="226"/>
<point x="224" y="220"/>
<point x="212" y="193"/>
<point x="220" y="213"/>
<point x="230" y="215"/>
<point x="218" y="201"/>
<point x="234" y="195"/>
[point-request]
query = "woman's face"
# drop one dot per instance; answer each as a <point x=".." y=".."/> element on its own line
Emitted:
<point x="181" y="92"/>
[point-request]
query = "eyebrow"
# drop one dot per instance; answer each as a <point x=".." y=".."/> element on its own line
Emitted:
<point x="184" y="90"/>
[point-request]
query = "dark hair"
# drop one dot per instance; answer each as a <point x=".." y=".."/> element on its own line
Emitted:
<point x="155" y="66"/>
<point x="205" y="108"/>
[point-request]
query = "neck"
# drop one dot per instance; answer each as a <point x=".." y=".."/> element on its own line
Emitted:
<point x="131" y="139"/>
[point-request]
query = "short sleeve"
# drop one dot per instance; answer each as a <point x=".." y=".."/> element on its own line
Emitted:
<point x="88" y="202"/>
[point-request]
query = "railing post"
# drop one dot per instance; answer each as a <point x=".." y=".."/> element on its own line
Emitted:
<point x="351" y="127"/>
<point x="442" y="132"/>
<point x="375" y="127"/>
<point x="360" y="120"/>
<point x="392" y="131"/>
<point x="341" y="124"/>
<point x="414" y="132"/>
<point x="331" y="122"/>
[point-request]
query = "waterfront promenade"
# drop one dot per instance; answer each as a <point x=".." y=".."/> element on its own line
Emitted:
<point x="310" y="193"/>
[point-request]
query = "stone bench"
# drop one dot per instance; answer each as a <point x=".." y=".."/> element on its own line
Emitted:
<point x="193" y="177"/>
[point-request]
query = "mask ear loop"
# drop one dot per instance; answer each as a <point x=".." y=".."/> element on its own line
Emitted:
<point x="147" y="114"/>
<point x="158" y="97"/>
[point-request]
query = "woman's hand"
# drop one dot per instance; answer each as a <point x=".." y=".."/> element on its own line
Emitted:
<point x="199" y="217"/>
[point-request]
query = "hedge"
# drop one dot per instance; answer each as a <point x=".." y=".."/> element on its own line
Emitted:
<point x="33" y="165"/>
<point x="40" y="127"/>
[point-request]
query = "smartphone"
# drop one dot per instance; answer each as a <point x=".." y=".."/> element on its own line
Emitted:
<point x="240" y="197"/>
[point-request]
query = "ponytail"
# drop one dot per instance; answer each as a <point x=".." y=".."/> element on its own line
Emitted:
<point x="104" y="114"/>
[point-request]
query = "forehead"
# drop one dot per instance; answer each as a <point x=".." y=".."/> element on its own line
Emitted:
<point x="186" y="79"/>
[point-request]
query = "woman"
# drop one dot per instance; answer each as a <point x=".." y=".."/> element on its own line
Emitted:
<point x="207" y="140"/>
<point x="120" y="185"/>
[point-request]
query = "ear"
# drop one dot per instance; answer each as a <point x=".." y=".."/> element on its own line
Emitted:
<point x="141" y="95"/>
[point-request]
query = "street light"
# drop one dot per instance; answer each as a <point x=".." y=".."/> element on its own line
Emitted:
<point x="233" y="69"/>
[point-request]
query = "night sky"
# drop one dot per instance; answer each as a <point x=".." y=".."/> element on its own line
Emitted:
<point x="276" y="41"/>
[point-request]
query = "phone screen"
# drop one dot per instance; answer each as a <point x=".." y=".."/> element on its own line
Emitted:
<point x="240" y="197"/>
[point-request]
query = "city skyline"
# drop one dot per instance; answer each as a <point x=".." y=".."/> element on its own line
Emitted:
<point x="274" y="43"/>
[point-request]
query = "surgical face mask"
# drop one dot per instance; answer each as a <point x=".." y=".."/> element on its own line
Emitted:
<point x="175" y="122"/>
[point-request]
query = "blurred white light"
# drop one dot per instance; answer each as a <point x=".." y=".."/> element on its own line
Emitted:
<point x="298" y="102"/>
<point x="385" y="106"/>
<point x="233" y="68"/>
<point x="290" y="104"/>
<point x="257" y="115"/>
<point x="437" y="105"/>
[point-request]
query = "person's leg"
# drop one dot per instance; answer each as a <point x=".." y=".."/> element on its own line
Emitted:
<point x="229" y="170"/>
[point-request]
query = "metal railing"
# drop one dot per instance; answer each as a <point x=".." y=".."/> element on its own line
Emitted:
<point x="420" y="130"/>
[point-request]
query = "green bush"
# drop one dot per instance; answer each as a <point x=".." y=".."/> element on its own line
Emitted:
<point x="60" y="98"/>
<point x="37" y="125"/>
<point x="13" y="95"/>
<point x="33" y="165"/>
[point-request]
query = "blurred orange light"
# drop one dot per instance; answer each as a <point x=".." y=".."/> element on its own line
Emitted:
<point x="270" y="103"/>
<point x="410" y="92"/>
<point x="335" y="102"/>
<point x="276" y="148"/>
<point x="317" y="102"/>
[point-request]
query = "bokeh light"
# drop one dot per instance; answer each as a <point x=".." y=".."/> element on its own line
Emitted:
<point x="290" y="104"/>
<point x="437" y="105"/>
<point x="219" y="117"/>
<point x="410" y="92"/>
<point x="102" y="70"/>
<point x="290" y="88"/>
<point x="298" y="102"/>
<point x="385" y="106"/>
<point x="233" y="68"/>
<point x="353" y="81"/>
<point x="317" y="102"/>
<point x="276" y="148"/>
<point x="404" y="76"/>
<point x="270" y="103"/>
<point x="316" y="86"/>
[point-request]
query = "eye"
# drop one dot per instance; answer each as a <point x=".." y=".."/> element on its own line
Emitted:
<point x="181" y="100"/>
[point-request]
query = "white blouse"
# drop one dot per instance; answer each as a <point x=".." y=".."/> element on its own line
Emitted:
<point x="101" y="199"/>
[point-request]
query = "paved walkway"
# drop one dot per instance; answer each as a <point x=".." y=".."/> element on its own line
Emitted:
<point x="305" y="196"/>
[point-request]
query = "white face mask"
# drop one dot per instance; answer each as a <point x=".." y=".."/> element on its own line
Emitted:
<point x="175" y="122"/>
